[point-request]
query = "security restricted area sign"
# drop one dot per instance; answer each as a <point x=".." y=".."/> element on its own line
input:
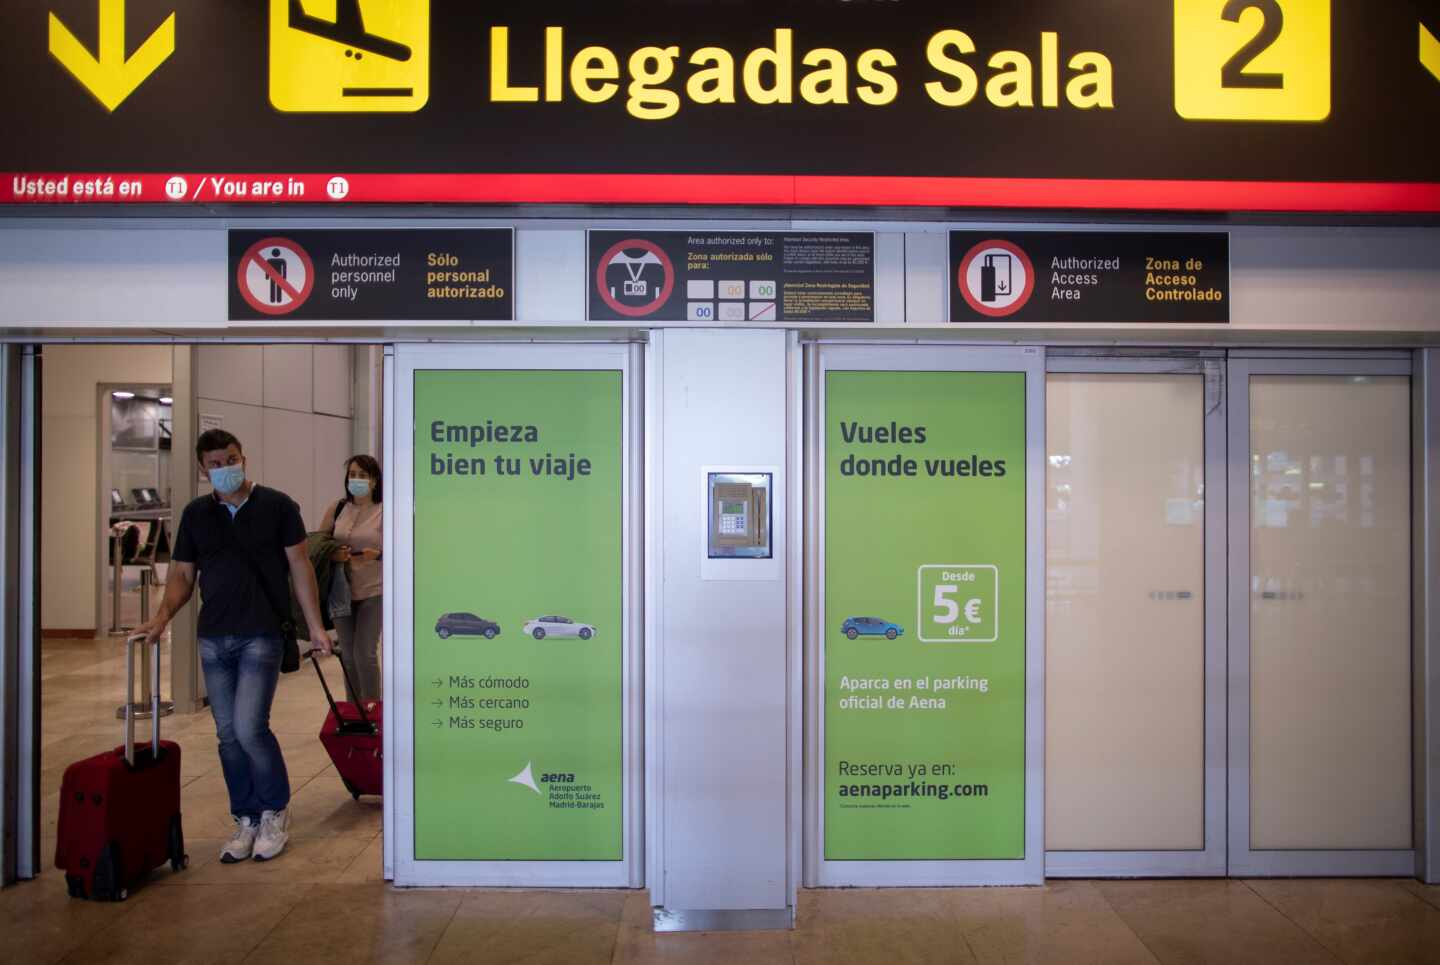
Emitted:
<point x="275" y="277"/>
<point x="1090" y="276"/>
<point x="373" y="275"/>
<point x="731" y="277"/>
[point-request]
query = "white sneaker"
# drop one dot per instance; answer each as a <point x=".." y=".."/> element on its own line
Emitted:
<point x="242" y="843"/>
<point x="274" y="832"/>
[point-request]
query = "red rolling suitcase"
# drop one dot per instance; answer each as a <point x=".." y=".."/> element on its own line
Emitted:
<point x="120" y="811"/>
<point x="353" y="736"/>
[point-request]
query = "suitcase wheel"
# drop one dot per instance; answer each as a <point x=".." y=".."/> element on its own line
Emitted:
<point x="107" y="876"/>
<point x="179" y="860"/>
<point x="76" y="886"/>
<point x="354" y="791"/>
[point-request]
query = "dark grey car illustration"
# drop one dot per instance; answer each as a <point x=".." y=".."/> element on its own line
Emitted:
<point x="465" y="625"/>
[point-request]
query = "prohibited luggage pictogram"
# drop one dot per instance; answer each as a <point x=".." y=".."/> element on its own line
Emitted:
<point x="996" y="278"/>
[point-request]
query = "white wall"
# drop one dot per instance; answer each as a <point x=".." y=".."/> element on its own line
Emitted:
<point x="140" y="275"/>
<point x="290" y="406"/>
<point x="70" y="472"/>
<point x="165" y="277"/>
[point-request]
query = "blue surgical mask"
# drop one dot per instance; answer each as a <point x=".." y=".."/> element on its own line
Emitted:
<point x="358" y="487"/>
<point x="227" y="479"/>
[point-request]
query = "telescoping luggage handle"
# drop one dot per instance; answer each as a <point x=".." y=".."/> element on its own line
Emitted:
<point x="359" y="704"/>
<point x="131" y="642"/>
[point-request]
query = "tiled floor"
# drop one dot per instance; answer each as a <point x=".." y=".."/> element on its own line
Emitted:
<point x="323" y="901"/>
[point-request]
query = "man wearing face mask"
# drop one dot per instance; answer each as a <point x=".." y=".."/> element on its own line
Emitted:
<point x="247" y="543"/>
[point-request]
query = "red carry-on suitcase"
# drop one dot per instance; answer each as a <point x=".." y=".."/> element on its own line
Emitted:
<point x="352" y="735"/>
<point x="120" y="811"/>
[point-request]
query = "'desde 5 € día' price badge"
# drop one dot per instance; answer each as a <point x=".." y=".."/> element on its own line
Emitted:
<point x="958" y="603"/>
<point x="1252" y="60"/>
<point x="349" y="56"/>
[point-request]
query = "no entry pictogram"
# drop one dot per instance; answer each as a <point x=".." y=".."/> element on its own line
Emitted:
<point x="275" y="276"/>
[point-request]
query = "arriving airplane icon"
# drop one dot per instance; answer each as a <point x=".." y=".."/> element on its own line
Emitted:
<point x="348" y="30"/>
<point x="350" y="56"/>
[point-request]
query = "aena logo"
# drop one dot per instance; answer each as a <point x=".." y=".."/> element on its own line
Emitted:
<point x="527" y="778"/>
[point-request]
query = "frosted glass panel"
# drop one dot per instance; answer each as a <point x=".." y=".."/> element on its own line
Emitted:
<point x="1125" y="605"/>
<point x="1329" y="612"/>
<point x="134" y="470"/>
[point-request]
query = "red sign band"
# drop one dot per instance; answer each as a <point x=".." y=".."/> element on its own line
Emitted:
<point x="762" y="190"/>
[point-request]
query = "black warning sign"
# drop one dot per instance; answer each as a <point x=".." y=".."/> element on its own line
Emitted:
<point x="1090" y="276"/>
<point x="373" y="275"/>
<point x="719" y="277"/>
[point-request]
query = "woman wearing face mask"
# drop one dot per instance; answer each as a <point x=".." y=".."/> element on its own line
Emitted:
<point x="357" y="524"/>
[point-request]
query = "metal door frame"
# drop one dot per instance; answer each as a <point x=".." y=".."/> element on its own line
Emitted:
<point x="1245" y="861"/>
<point x="1425" y="622"/>
<point x="1209" y="860"/>
<point x="927" y="357"/>
<point x="20" y="609"/>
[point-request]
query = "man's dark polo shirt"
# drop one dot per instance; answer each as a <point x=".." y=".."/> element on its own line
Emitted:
<point x="232" y="602"/>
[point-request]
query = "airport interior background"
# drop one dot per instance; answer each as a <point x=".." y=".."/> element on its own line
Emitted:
<point x="868" y="481"/>
<point x="107" y="418"/>
<point x="112" y="492"/>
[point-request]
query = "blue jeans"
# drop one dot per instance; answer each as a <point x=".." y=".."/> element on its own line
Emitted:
<point x="240" y="675"/>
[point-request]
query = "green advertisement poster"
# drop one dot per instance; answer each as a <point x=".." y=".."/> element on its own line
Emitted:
<point x="518" y="615"/>
<point x="924" y="630"/>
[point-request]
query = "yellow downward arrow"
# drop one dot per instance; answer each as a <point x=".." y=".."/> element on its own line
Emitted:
<point x="1429" y="51"/>
<point x="111" y="77"/>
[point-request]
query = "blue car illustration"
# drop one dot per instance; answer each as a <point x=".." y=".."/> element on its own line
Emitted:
<point x="871" y="627"/>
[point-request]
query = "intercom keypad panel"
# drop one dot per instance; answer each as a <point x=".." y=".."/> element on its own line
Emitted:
<point x="739" y="511"/>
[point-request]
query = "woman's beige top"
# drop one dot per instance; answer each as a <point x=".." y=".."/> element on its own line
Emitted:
<point x="362" y="529"/>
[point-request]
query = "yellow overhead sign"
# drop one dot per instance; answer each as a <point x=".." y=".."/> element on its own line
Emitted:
<point x="365" y="56"/>
<point x="1429" y="52"/>
<point x="1252" y="60"/>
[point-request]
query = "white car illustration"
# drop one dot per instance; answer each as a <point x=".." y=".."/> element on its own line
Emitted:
<point x="557" y="626"/>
